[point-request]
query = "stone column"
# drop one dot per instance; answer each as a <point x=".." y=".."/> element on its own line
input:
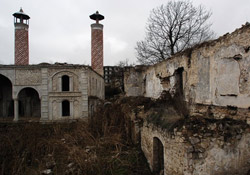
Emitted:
<point x="71" y="82"/>
<point x="59" y="86"/>
<point x="71" y="110"/>
<point x="16" y="110"/>
<point x="45" y="96"/>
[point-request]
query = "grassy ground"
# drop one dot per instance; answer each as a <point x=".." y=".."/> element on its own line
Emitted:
<point x="97" y="148"/>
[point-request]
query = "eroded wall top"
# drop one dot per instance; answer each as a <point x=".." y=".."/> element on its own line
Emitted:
<point x="214" y="73"/>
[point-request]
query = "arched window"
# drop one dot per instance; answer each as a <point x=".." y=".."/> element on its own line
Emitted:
<point x="65" y="108"/>
<point x="65" y="83"/>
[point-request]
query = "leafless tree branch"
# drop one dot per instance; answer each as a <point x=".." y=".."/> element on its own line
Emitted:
<point x="172" y="28"/>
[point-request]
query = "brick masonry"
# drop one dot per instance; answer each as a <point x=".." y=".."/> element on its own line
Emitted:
<point x="97" y="48"/>
<point x="21" y="46"/>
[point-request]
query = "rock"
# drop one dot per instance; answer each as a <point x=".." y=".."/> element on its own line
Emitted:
<point x="190" y="155"/>
<point x="208" y="134"/>
<point x="238" y="137"/>
<point x="178" y="133"/>
<point x="200" y="155"/>
<point x="47" y="171"/>
<point x="194" y="140"/>
<point x="70" y="165"/>
<point x="248" y="121"/>
<point x="200" y="150"/>
<point x="204" y="144"/>
<point x="190" y="149"/>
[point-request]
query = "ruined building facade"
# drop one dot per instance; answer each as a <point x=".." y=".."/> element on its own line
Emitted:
<point x="45" y="91"/>
<point x="213" y="73"/>
<point x="209" y="134"/>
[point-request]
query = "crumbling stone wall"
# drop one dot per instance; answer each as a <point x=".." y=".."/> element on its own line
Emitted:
<point x="212" y="81"/>
<point x="214" y="73"/>
<point x="134" y="81"/>
<point x="200" y="147"/>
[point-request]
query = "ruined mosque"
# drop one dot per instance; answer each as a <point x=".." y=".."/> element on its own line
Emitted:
<point x="50" y="91"/>
<point x="210" y="80"/>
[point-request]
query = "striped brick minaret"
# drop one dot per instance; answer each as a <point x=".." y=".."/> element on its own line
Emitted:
<point x="21" y="21"/>
<point x="97" y="43"/>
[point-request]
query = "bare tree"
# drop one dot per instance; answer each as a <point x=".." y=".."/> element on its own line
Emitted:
<point x="172" y="28"/>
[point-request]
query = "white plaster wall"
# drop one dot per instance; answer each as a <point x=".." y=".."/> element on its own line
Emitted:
<point x="96" y="85"/>
<point x="153" y="84"/>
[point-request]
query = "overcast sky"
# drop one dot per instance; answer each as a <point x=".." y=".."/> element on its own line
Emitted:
<point x="60" y="29"/>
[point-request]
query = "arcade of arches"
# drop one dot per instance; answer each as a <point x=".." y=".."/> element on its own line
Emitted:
<point x="26" y="105"/>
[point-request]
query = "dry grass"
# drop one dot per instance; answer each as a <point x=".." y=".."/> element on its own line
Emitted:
<point x="70" y="148"/>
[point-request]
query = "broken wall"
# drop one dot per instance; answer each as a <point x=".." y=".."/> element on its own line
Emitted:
<point x="214" y="73"/>
<point x="199" y="147"/>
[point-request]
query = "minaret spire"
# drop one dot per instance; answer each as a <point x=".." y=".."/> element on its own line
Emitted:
<point x="97" y="43"/>
<point x="21" y="22"/>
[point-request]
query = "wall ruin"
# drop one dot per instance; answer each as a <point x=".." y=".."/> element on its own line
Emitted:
<point x="212" y="82"/>
<point x="214" y="73"/>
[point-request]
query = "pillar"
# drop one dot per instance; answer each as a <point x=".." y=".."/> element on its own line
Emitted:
<point x="16" y="110"/>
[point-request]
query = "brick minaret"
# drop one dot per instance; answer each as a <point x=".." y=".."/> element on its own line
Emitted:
<point x="21" y="21"/>
<point x="97" y="43"/>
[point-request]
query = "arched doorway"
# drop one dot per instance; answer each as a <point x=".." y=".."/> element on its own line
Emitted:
<point x="158" y="156"/>
<point x="6" y="102"/>
<point x="29" y="103"/>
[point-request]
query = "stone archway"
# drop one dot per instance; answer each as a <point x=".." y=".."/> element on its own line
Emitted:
<point x="29" y="103"/>
<point x="158" y="156"/>
<point x="6" y="101"/>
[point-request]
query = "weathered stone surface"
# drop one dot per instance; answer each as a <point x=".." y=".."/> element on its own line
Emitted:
<point x="28" y="77"/>
<point x="222" y="152"/>
<point x="214" y="73"/>
<point x="46" y="80"/>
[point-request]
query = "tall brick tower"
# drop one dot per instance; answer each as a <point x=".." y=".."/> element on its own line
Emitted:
<point x="97" y="43"/>
<point x="21" y="21"/>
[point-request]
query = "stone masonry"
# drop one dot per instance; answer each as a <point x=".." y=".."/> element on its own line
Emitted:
<point x="209" y="85"/>
<point x="215" y="74"/>
<point x="47" y="81"/>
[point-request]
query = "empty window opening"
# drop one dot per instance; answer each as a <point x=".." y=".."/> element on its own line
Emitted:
<point x="65" y="83"/>
<point x="65" y="108"/>
<point x="179" y="81"/>
<point x="158" y="156"/>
